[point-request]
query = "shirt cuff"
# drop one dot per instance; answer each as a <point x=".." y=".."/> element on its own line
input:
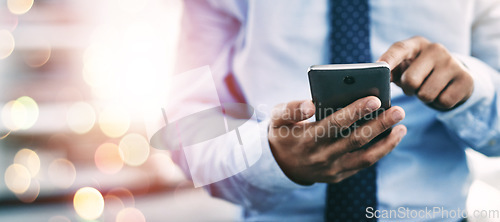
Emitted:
<point x="484" y="88"/>
<point x="470" y="120"/>
<point x="266" y="173"/>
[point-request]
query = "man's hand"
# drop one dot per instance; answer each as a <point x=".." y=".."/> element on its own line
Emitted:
<point x="429" y="71"/>
<point x="327" y="150"/>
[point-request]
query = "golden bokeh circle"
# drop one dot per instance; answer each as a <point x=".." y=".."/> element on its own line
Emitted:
<point x="8" y="43"/>
<point x="19" y="7"/>
<point x="88" y="203"/>
<point x="107" y="158"/>
<point x="134" y="149"/>
<point x="29" y="159"/>
<point x="114" y="121"/>
<point x="130" y="214"/>
<point x="17" y="178"/>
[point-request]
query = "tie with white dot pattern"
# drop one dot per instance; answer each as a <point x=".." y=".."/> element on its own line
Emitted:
<point x="350" y="43"/>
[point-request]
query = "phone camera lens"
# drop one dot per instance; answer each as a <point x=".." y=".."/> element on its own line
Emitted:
<point x="349" y="80"/>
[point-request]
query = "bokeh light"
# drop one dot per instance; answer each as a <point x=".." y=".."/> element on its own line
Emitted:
<point x="41" y="45"/>
<point x="21" y="113"/>
<point x="139" y="74"/>
<point x="130" y="215"/>
<point x="29" y="159"/>
<point x="80" y="117"/>
<point x="107" y="158"/>
<point x="40" y="56"/>
<point x="113" y="204"/>
<point x="98" y="68"/>
<point x="17" y="178"/>
<point x="7" y="45"/>
<point x="134" y="149"/>
<point x="126" y="197"/>
<point x="114" y="121"/>
<point x="62" y="173"/>
<point x="139" y="37"/>
<point x="5" y="135"/>
<point x="31" y="111"/>
<point x="31" y="193"/>
<point x="13" y="115"/>
<point x="19" y="7"/>
<point x="88" y="203"/>
<point x="114" y="67"/>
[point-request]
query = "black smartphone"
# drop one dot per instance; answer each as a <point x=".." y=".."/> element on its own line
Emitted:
<point x="335" y="86"/>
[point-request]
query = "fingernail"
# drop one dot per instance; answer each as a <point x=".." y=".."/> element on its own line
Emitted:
<point x="304" y="109"/>
<point x="402" y="132"/>
<point x="397" y="115"/>
<point x="373" y="104"/>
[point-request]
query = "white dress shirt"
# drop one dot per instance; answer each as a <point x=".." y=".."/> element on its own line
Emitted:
<point x="266" y="47"/>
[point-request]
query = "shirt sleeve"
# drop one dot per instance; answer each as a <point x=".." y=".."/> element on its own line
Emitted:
<point x="476" y="121"/>
<point x="266" y="173"/>
<point x="208" y="35"/>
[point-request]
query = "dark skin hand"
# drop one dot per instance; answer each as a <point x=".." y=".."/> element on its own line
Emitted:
<point x="310" y="152"/>
<point x="321" y="151"/>
<point x="430" y="72"/>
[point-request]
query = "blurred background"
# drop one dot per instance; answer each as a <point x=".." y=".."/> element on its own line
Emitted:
<point x="75" y="80"/>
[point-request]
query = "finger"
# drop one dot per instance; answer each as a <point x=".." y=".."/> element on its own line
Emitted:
<point x="345" y="117"/>
<point x="292" y="112"/>
<point x="457" y="92"/>
<point x="403" y="50"/>
<point x="397" y="72"/>
<point x="415" y="75"/>
<point x="434" y="85"/>
<point x="364" y="158"/>
<point x="368" y="131"/>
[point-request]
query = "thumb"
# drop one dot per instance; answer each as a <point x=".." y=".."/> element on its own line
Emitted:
<point x="292" y="112"/>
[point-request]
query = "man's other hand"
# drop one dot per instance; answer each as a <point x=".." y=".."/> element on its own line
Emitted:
<point x="429" y="71"/>
<point x="328" y="150"/>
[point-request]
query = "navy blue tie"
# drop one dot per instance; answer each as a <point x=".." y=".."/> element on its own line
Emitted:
<point x="350" y="43"/>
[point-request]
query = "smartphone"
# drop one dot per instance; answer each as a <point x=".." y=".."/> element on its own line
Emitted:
<point x="333" y="87"/>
